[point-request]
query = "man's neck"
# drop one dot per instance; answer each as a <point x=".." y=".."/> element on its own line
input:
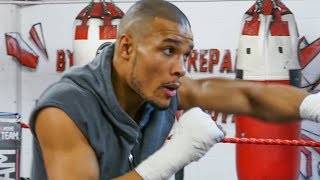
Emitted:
<point x="128" y="99"/>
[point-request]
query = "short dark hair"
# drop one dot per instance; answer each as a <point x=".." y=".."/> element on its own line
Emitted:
<point x="144" y="12"/>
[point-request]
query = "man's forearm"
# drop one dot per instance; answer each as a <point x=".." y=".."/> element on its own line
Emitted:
<point x="278" y="103"/>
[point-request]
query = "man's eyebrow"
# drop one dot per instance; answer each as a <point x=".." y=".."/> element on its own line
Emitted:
<point x="169" y="40"/>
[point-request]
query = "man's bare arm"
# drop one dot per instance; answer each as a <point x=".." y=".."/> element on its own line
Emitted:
<point x="272" y="102"/>
<point x="68" y="155"/>
<point x="66" y="152"/>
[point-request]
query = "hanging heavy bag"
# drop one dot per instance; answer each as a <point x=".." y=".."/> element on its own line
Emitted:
<point x="95" y="28"/>
<point x="268" y="53"/>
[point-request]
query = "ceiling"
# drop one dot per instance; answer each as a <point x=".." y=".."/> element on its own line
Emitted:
<point x="30" y="2"/>
<point x="56" y="1"/>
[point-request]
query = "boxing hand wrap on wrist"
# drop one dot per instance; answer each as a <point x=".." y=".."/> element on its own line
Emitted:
<point x="195" y="134"/>
<point x="310" y="107"/>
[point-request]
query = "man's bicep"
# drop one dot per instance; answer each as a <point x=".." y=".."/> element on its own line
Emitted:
<point x="205" y="93"/>
<point x="186" y="93"/>
<point x="218" y="94"/>
<point x="66" y="152"/>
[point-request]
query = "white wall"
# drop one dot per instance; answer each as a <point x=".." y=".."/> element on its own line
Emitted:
<point x="216" y="25"/>
<point x="9" y="69"/>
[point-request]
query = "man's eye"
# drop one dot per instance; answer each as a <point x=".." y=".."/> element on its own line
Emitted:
<point x="169" y="51"/>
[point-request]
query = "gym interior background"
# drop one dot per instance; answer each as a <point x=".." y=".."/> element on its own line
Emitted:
<point x="216" y="26"/>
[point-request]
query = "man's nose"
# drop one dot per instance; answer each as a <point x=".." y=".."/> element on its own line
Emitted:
<point x="179" y="68"/>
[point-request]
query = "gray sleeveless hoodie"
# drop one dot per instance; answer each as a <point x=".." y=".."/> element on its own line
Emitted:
<point x="86" y="95"/>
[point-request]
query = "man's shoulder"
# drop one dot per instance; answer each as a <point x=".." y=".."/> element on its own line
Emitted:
<point x="63" y="89"/>
<point x="65" y="94"/>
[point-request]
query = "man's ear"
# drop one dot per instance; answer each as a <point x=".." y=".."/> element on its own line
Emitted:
<point x="125" y="46"/>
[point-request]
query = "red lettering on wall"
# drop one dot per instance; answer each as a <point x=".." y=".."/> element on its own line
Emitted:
<point x="214" y="116"/>
<point x="192" y="60"/>
<point x="224" y="118"/>
<point x="61" y="62"/>
<point x="214" y="57"/>
<point x="70" y="55"/>
<point x="203" y="61"/>
<point x="226" y="64"/>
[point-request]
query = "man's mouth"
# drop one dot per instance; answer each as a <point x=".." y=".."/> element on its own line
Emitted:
<point x="170" y="89"/>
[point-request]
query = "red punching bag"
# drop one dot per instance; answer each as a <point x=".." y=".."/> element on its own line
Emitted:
<point x="95" y="28"/>
<point x="268" y="53"/>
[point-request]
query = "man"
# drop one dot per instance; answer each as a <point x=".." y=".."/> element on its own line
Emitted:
<point x="110" y="118"/>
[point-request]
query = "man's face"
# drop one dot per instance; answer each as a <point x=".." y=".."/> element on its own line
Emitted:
<point x="158" y="61"/>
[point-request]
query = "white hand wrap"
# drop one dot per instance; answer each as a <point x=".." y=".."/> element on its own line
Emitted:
<point x="195" y="134"/>
<point x="310" y="107"/>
